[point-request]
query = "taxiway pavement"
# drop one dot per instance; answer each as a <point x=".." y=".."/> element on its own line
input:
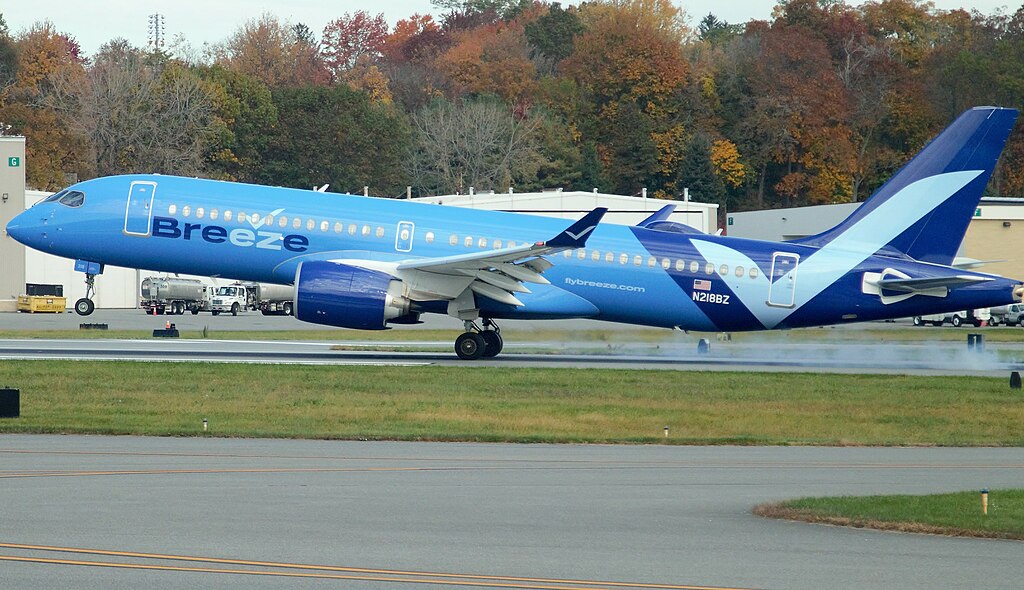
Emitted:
<point x="393" y="515"/>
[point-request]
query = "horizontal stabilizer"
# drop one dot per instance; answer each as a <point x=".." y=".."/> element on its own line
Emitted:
<point x="926" y="284"/>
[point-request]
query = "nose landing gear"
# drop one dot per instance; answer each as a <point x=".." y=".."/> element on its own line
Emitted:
<point x="477" y="343"/>
<point x="85" y="306"/>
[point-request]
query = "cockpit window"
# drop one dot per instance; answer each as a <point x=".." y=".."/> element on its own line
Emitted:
<point x="55" y="196"/>
<point x="72" y="199"/>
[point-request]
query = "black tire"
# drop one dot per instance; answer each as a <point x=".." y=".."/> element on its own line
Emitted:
<point x="234" y="309"/>
<point x="492" y="343"/>
<point x="215" y="312"/>
<point x="993" y="321"/>
<point x="470" y="346"/>
<point x="84" y="306"/>
<point x="917" y="320"/>
<point x="195" y="311"/>
<point x="956" y="321"/>
<point x="287" y="308"/>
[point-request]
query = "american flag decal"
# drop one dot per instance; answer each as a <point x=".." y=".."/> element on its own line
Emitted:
<point x="701" y="285"/>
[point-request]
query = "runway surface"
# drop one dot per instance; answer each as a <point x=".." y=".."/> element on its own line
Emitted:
<point x="126" y="512"/>
<point x="938" y="358"/>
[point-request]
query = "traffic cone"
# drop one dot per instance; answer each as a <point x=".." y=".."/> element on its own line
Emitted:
<point x="168" y="324"/>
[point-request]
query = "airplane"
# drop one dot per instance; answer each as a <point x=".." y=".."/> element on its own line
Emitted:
<point x="368" y="263"/>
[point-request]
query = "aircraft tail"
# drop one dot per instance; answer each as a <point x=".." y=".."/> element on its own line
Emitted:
<point x="924" y="209"/>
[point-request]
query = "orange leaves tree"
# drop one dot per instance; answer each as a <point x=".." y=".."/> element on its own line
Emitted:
<point x="629" y="67"/>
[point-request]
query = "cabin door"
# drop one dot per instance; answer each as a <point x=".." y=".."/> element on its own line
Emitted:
<point x="139" y="211"/>
<point x="782" y="290"/>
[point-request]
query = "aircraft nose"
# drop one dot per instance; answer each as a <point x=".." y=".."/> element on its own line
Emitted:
<point x="16" y="229"/>
<point x="27" y="230"/>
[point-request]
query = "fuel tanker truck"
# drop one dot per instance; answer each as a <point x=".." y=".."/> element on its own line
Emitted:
<point x="174" y="296"/>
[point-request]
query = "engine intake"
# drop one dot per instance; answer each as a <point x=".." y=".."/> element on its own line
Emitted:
<point x="346" y="296"/>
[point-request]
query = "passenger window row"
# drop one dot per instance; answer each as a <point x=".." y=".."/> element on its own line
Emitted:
<point x="353" y="229"/>
<point x="283" y="221"/>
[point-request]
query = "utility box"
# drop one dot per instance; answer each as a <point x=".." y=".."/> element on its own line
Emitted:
<point x="40" y="289"/>
<point x="42" y="304"/>
<point x="10" y="403"/>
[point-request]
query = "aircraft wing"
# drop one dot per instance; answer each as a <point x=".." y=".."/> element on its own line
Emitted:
<point x="496" y="274"/>
<point x="925" y="284"/>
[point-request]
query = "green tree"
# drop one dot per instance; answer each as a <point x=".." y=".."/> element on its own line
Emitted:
<point x="552" y="35"/>
<point x="335" y="136"/>
<point x="245" y="120"/>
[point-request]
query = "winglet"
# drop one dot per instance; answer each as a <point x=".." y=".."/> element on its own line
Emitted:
<point x="659" y="215"/>
<point x="575" y="236"/>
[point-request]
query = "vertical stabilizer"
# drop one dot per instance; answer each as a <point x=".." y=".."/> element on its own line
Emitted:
<point x="935" y="194"/>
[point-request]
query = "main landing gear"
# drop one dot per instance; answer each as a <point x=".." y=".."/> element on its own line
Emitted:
<point x="478" y="343"/>
<point x="85" y="306"/>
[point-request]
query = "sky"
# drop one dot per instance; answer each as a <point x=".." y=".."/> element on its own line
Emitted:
<point x="212" y="21"/>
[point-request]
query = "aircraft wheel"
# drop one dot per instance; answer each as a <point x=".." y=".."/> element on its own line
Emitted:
<point x="470" y="346"/>
<point x="84" y="306"/>
<point x="234" y="309"/>
<point x="917" y="320"/>
<point x="492" y="343"/>
<point x="956" y="321"/>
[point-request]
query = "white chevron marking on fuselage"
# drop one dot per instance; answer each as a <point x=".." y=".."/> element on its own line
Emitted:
<point x="834" y="260"/>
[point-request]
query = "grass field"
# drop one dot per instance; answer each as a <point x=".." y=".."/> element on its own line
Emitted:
<point x="522" y="405"/>
<point x="944" y="514"/>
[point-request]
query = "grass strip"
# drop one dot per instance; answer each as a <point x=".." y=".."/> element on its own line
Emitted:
<point x="958" y="514"/>
<point x="517" y="405"/>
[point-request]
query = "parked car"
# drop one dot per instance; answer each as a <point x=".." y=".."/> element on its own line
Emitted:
<point x="975" y="317"/>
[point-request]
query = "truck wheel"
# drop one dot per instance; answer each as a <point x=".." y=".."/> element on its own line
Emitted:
<point x="287" y="309"/>
<point x="195" y="311"/>
<point x="215" y="312"/>
<point x="956" y="321"/>
<point x="234" y="309"/>
<point x="917" y="320"/>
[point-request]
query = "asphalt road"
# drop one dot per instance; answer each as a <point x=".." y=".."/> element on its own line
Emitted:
<point x="566" y="515"/>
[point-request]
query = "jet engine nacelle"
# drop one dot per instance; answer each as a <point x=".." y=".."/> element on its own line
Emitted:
<point x="348" y="296"/>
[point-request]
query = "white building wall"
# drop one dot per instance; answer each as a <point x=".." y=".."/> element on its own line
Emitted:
<point x="622" y="209"/>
